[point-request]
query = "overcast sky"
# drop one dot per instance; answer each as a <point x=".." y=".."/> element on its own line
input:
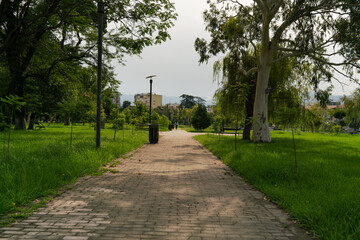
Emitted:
<point x="175" y="62"/>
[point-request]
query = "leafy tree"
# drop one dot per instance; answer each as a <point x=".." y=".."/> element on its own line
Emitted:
<point x="164" y="121"/>
<point x="201" y="118"/>
<point x="128" y="115"/>
<point x="125" y="105"/>
<point x="188" y="101"/>
<point x="315" y="116"/>
<point x="68" y="29"/>
<point x="216" y="124"/>
<point x="236" y="94"/>
<point x="352" y="109"/>
<point x="338" y="113"/>
<point x="74" y="110"/>
<point x="185" y="116"/>
<point x="292" y="29"/>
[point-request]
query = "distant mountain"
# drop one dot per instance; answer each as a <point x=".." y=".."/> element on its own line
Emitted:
<point x="165" y="99"/>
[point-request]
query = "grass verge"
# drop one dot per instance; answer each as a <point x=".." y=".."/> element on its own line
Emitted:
<point x="323" y="194"/>
<point x="42" y="161"/>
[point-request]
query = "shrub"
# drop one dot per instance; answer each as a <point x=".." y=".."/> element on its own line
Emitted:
<point x="335" y="129"/>
<point x="201" y="118"/>
<point x="119" y="122"/>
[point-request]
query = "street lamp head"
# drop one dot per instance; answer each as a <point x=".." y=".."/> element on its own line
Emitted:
<point x="150" y="76"/>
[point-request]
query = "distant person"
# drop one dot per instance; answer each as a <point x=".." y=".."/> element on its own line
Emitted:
<point x="176" y="125"/>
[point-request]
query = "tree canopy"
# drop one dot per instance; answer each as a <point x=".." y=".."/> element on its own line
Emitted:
<point x="188" y="101"/>
<point x="316" y="33"/>
<point x="46" y="40"/>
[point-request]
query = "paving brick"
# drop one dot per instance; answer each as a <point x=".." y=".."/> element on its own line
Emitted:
<point x="175" y="189"/>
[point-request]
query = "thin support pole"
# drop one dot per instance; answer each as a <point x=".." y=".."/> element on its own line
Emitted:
<point x="99" y="72"/>
<point x="150" y="98"/>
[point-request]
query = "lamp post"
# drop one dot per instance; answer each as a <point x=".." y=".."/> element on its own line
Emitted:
<point x="151" y="81"/>
<point x="99" y="71"/>
<point x="153" y="128"/>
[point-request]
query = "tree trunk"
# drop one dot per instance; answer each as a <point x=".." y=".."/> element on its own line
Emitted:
<point x="20" y="123"/>
<point x="31" y="122"/>
<point x="51" y="119"/>
<point x="67" y="121"/>
<point x="16" y="86"/>
<point x="28" y="118"/>
<point x="249" y="114"/>
<point x="261" y="131"/>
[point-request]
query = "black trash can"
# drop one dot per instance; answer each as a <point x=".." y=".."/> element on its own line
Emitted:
<point x="153" y="133"/>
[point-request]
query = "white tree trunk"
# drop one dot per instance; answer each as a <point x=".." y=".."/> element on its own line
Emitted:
<point x="261" y="131"/>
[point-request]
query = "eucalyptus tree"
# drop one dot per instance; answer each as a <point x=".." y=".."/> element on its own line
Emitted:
<point x="68" y="29"/>
<point x="312" y="31"/>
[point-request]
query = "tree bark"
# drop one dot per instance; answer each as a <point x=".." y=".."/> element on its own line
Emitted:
<point x="20" y="123"/>
<point x="249" y="105"/>
<point x="261" y="131"/>
<point x="16" y="86"/>
<point x="31" y="122"/>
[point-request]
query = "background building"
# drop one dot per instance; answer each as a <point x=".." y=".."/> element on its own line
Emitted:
<point x="145" y="99"/>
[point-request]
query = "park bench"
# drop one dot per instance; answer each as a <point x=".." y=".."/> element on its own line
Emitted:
<point x="223" y="129"/>
<point x="141" y="126"/>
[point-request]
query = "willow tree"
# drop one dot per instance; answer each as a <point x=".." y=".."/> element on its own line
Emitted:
<point x="68" y="28"/>
<point x="323" y="33"/>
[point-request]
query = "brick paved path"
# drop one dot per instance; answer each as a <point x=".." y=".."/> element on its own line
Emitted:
<point x="172" y="190"/>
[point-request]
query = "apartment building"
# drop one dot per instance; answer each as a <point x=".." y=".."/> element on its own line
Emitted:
<point x="145" y="99"/>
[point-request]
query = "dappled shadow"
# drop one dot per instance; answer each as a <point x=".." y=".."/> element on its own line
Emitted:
<point x="172" y="190"/>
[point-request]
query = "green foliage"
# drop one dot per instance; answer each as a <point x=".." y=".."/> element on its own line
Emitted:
<point x="315" y="117"/>
<point x="217" y="122"/>
<point x="42" y="161"/>
<point x="119" y="121"/>
<point x="188" y="101"/>
<point x="52" y="53"/>
<point x="14" y="102"/>
<point x="352" y="109"/>
<point x="335" y="129"/>
<point x="201" y="118"/>
<point x="322" y="195"/>
<point x="125" y="105"/>
<point x="289" y="116"/>
<point x="338" y="113"/>
<point x="2" y="121"/>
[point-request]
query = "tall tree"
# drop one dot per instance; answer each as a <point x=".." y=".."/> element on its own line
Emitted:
<point x="302" y="29"/>
<point x="188" y="101"/>
<point x="69" y="26"/>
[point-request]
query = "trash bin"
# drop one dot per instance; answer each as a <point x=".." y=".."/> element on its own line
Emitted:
<point x="171" y="127"/>
<point x="153" y="133"/>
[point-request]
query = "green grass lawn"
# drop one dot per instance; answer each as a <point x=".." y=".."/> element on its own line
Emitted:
<point x="323" y="194"/>
<point x="41" y="161"/>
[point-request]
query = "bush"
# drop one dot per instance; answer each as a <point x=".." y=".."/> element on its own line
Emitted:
<point x="335" y="129"/>
<point x="119" y="122"/>
<point x="217" y="123"/>
<point x="201" y="118"/>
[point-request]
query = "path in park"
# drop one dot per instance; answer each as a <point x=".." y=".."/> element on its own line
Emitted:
<point x="172" y="190"/>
